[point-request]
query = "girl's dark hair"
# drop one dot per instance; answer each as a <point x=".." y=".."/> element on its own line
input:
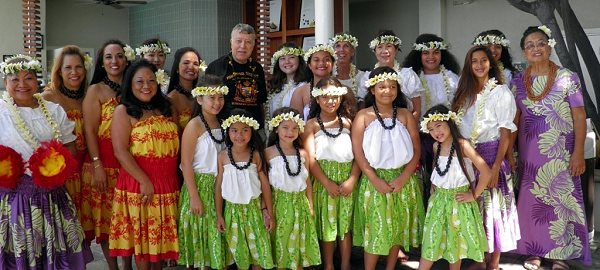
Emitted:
<point x="132" y="103"/>
<point x="454" y="132"/>
<point x="99" y="71"/>
<point x="401" y="99"/>
<point x="279" y="78"/>
<point x="345" y="109"/>
<point x="273" y="134"/>
<point x="468" y="85"/>
<point x="413" y="59"/>
<point x="174" y="80"/>
<point x="208" y="80"/>
<point x="505" y="58"/>
<point x="310" y="77"/>
<point x="255" y="140"/>
<point x="530" y="30"/>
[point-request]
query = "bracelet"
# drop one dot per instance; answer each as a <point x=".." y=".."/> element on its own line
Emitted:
<point x="96" y="158"/>
<point x="97" y="165"/>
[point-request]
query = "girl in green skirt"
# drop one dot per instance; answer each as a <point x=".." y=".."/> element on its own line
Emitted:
<point x="200" y="244"/>
<point x="295" y="237"/>
<point x="453" y="226"/>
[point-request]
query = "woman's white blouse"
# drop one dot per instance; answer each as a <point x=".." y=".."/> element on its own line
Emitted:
<point x="207" y="150"/>
<point x="410" y="83"/>
<point x="387" y="149"/>
<point x="280" y="179"/>
<point x="338" y="149"/>
<point x="283" y="98"/>
<point x="358" y="80"/>
<point x="240" y="186"/>
<point x="437" y="89"/>
<point x="455" y="177"/>
<point x="498" y="112"/>
<point x="36" y="123"/>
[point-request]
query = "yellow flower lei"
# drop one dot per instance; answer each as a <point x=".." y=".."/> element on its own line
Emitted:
<point x="489" y="86"/>
<point x="385" y="39"/>
<point x="438" y="45"/>
<point x="285" y="51"/>
<point x="439" y="117"/>
<point x="28" y="63"/>
<point x="329" y="91"/>
<point x="491" y="39"/>
<point x="287" y="116"/>
<point x="382" y="77"/>
<point x="344" y="37"/>
<point x="242" y="119"/>
<point x="209" y="91"/>
<point x="427" y="90"/>
<point x="144" y="49"/>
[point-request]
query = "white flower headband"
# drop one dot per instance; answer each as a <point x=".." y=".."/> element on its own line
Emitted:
<point x="318" y="48"/>
<point x="154" y="47"/>
<point x="129" y="53"/>
<point x="344" y="37"/>
<point x="491" y="39"/>
<point x="25" y="62"/>
<point x="385" y="39"/>
<point x="287" y="116"/>
<point x="548" y="32"/>
<point x="285" y="51"/>
<point x="242" y="119"/>
<point x="162" y="78"/>
<point x="329" y="91"/>
<point x="431" y="45"/>
<point x="382" y="77"/>
<point x="439" y="117"/>
<point x="210" y="90"/>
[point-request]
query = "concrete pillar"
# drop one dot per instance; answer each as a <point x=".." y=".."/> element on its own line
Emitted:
<point x="432" y="16"/>
<point x="323" y="21"/>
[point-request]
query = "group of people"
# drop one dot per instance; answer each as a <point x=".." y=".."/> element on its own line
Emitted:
<point x="174" y="167"/>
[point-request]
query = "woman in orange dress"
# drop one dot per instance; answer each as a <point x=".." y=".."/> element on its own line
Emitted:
<point x="184" y="77"/>
<point x="146" y="143"/>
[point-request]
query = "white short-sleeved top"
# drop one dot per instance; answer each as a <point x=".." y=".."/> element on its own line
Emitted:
<point x="410" y="83"/>
<point x="387" y="149"/>
<point x="207" y="151"/>
<point x="280" y="179"/>
<point x="338" y="149"/>
<point x="283" y="98"/>
<point x="358" y="78"/>
<point x="498" y="112"/>
<point x="455" y="177"/>
<point x="36" y="123"/>
<point x="437" y="89"/>
<point x="306" y="111"/>
<point x="240" y="186"/>
<point x="507" y="76"/>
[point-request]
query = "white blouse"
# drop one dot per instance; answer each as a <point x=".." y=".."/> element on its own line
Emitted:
<point x="207" y="150"/>
<point x="280" y="179"/>
<point x="438" y="94"/>
<point x="498" y="112"/>
<point x="338" y="149"/>
<point x="306" y="111"/>
<point x="410" y="83"/>
<point x="240" y="186"/>
<point x="455" y="177"/>
<point x="358" y="80"/>
<point x="387" y="149"/>
<point x="283" y="98"/>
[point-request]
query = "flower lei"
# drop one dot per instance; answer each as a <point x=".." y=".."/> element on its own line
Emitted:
<point x="242" y="119"/>
<point x="487" y="89"/>
<point x="439" y="117"/>
<point x="210" y="90"/>
<point x="344" y="38"/>
<point x="352" y="74"/>
<point x="427" y="91"/>
<point x="285" y="51"/>
<point x="396" y="66"/>
<point x="329" y="91"/>
<point x="162" y="78"/>
<point x="491" y="39"/>
<point x="385" y="39"/>
<point x="286" y="88"/>
<point x="154" y="47"/>
<point x="20" y="124"/>
<point x="129" y="53"/>
<point x="382" y="77"/>
<point x="287" y="116"/>
<point x="318" y="48"/>
<point x="431" y="45"/>
<point x="26" y="63"/>
<point x="548" y="32"/>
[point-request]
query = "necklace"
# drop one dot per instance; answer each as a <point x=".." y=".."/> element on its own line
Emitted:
<point x="113" y="85"/>
<point x="437" y="164"/>
<point x="427" y="91"/>
<point x="287" y="164"/>
<point x="76" y="95"/>
<point x="24" y="131"/>
<point x="491" y="84"/>
<point x="547" y="86"/>
<point x="183" y="91"/>
<point x="232" y="161"/>
<point x="322" y="126"/>
<point x="207" y="127"/>
<point x="501" y="75"/>
<point x="394" y="114"/>
<point x="352" y="74"/>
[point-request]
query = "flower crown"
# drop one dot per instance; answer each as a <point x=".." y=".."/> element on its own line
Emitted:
<point x="344" y="37"/>
<point x="242" y="119"/>
<point x="129" y="53"/>
<point x="154" y="47"/>
<point x="287" y="116"/>
<point x="285" y="51"/>
<point x="431" y="45"/>
<point x="318" y="48"/>
<point x="439" y="117"/>
<point x="25" y="62"/>
<point x="385" y="39"/>
<point x="210" y="90"/>
<point x="491" y="39"/>
<point x="330" y="91"/>
<point x="382" y="77"/>
<point x="548" y="32"/>
<point x="162" y="78"/>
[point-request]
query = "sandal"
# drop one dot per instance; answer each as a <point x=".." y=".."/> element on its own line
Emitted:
<point x="402" y="257"/>
<point x="560" y="265"/>
<point x="532" y="263"/>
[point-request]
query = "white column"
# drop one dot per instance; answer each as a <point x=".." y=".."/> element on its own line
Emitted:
<point x="432" y="16"/>
<point x="323" y="21"/>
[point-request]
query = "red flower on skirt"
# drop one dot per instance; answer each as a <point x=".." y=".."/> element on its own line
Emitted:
<point x="12" y="167"/>
<point x="51" y="164"/>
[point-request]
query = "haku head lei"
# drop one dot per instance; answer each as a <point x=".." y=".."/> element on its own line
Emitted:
<point x="431" y="45"/>
<point x="439" y="117"/>
<point x="318" y="48"/>
<point x="162" y="78"/>
<point x="329" y="91"/>
<point x="129" y="53"/>
<point x="344" y="37"/>
<point x="285" y="51"/>
<point x="154" y="47"/>
<point x="25" y="62"/>
<point x="491" y="39"/>
<point x="241" y="119"/>
<point x="210" y="90"/>
<point x="384" y="40"/>
<point x="382" y="77"/>
<point x="548" y="32"/>
<point x="274" y="123"/>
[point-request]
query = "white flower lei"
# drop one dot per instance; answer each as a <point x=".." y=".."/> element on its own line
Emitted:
<point x="329" y="91"/>
<point x="284" y="51"/>
<point x="385" y="39"/>
<point x="344" y="38"/>
<point x="439" y="117"/>
<point x="318" y="48"/>
<point x="548" y="32"/>
<point x="491" y="39"/>
<point x="352" y="74"/>
<point x="489" y="86"/>
<point x="286" y="88"/>
<point x="129" y="53"/>
<point x="427" y="90"/>
<point x="162" y="78"/>
<point x="396" y="66"/>
<point x="27" y="63"/>
<point x="241" y="119"/>
<point x="431" y="45"/>
<point x="154" y="47"/>
<point x="382" y="77"/>
<point x="287" y="116"/>
<point x="210" y="90"/>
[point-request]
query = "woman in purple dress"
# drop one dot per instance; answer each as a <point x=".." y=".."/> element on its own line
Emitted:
<point x="551" y="121"/>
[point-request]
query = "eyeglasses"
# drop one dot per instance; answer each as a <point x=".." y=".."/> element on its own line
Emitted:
<point x="540" y="44"/>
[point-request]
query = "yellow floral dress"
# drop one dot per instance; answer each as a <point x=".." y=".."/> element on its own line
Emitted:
<point x="73" y="183"/>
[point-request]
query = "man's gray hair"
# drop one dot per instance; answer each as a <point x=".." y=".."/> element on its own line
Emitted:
<point x="243" y="28"/>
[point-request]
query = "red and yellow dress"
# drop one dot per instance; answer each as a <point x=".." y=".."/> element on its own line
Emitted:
<point x="184" y="118"/>
<point x="73" y="183"/>
<point x="96" y="206"/>
<point x="148" y="231"/>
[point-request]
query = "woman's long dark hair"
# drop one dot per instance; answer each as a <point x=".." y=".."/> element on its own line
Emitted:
<point x="208" y="80"/>
<point x="99" y="71"/>
<point x="280" y="78"/>
<point x="255" y="141"/>
<point x="468" y="85"/>
<point x="132" y="103"/>
<point x="273" y="134"/>
<point x="174" y="80"/>
<point x="345" y="110"/>
<point x="413" y="59"/>
<point x="505" y="57"/>
<point x="400" y="101"/>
